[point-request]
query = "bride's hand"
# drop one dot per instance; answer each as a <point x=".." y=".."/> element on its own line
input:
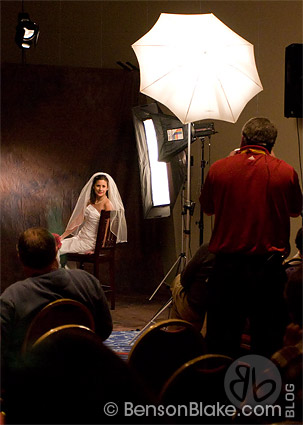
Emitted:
<point x="58" y="240"/>
<point x="89" y="252"/>
<point x="63" y="236"/>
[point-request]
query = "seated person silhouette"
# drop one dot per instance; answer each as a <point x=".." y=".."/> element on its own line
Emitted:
<point x="293" y="263"/>
<point x="70" y="377"/>
<point x="189" y="289"/>
<point x="289" y="358"/>
<point x="45" y="282"/>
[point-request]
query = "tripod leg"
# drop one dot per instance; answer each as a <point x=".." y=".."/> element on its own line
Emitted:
<point x="164" y="307"/>
<point x="178" y="261"/>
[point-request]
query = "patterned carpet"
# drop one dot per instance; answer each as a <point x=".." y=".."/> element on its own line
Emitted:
<point x="120" y="342"/>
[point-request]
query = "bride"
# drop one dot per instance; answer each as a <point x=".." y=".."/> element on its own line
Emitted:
<point x="99" y="193"/>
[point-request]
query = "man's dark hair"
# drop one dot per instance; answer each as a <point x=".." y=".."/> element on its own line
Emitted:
<point x="260" y="131"/>
<point x="299" y="241"/>
<point x="37" y="248"/>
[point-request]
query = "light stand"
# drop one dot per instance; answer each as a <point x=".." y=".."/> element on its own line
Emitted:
<point x="188" y="201"/>
<point x="152" y="320"/>
<point x="201" y="221"/>
<point x="182" y="259"/>
<point x="188" y="210"/>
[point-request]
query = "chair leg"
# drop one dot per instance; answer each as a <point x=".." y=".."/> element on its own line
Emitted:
<point x="112" y="284"/>
<point x="111" y="265"/>
<point x="96" y="270"/>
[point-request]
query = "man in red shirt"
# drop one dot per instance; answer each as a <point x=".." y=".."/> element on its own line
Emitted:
<point x="252" y="195"/>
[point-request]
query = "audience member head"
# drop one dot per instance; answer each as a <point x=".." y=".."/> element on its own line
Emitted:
<point x="259" y="131"/>
<point x="299" y="240"/>
<point x="37" y="249"/>
<point x="93" y="196"/>
<point x="293" y="295"/>
<point x="67" y="377"/>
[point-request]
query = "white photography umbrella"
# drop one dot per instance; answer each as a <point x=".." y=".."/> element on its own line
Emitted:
<point x="197" y="67"/>
<point x="200" y="69"/>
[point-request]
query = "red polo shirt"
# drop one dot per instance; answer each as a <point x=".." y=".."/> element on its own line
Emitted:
<point x="252" y="196"/>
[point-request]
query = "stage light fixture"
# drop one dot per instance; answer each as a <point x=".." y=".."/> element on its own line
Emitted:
<point x="27" y="31"/>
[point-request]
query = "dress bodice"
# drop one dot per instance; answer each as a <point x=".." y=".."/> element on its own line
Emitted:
<point x="90" y="226"/>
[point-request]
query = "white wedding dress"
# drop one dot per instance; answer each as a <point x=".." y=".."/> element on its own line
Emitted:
<point x="84" y="221"/>
<point x="85" y="240"/>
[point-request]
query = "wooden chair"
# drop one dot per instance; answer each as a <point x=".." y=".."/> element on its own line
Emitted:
<point x="162" y="349"/>
<point x="60" y="312"/>
<point x="104" y="253"/>
<point x="201" y="380"/>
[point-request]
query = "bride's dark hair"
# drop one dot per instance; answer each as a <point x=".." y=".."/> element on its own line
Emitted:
<point x="92" y="191"/>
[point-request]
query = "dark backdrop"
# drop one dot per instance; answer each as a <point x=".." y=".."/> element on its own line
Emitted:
<point x="59" y="126"/>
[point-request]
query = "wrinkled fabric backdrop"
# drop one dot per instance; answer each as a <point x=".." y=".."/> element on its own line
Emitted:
<point x="59" y="126"/>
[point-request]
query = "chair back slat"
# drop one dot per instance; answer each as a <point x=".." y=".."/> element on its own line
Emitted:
<point x="105" y="238"/>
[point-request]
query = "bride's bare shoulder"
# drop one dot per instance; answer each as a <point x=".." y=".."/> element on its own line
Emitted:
<point x="108" y="206"/>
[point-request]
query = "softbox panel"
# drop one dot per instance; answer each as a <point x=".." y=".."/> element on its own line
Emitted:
<point x="171" y="136"/>
<point x="176" y="167"/>
<point x="139" y="115"/>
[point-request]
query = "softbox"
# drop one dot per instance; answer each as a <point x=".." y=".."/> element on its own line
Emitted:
<point x="172" y="135"/>
<point x="176" y="166"/>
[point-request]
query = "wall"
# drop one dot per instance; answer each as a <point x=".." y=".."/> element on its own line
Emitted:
<point x="98" y="34"/>
<point x="60" y="125"/>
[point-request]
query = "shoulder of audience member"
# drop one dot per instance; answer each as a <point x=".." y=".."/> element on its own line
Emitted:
<point x="78" y="273"/>
<point x="83" y="276"/>
<point x="288" y="355"/>
<point x="204" y="255"/>
<point x="15" y="287"/>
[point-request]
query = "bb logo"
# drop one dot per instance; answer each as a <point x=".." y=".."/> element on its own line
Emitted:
<point x="252" y="380"/>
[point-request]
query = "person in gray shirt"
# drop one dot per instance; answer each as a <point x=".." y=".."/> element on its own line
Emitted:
<point x="46" y="282"/>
